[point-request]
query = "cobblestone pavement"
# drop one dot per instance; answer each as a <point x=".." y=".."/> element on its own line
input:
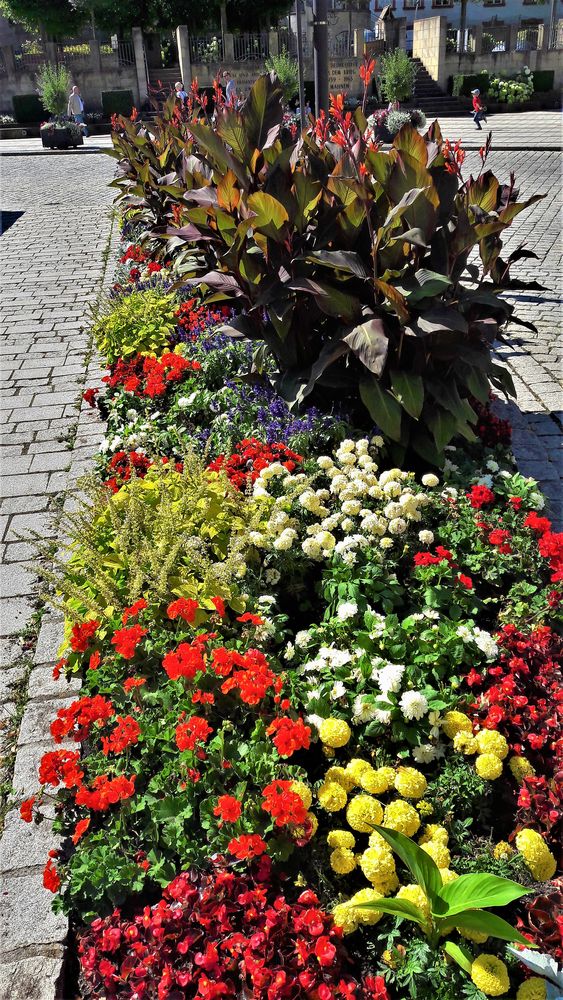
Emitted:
<point x="537" y="130"/>
<point x="57" y="219"/>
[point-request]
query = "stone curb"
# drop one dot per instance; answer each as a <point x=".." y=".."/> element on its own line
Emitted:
<point x="81" y="151"/>
<point x="33" y="939"/>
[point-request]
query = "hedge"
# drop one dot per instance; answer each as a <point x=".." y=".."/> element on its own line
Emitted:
<point x="464" y="83"/>
<point x="543" y="80"/>
<point x="118" y="102"/>
<point x="28" y="108"/>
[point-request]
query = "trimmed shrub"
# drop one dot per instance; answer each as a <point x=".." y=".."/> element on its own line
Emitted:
<point x="53" y="83"/>
<point x="28" y="108"/>
<point x="117" y="102"/>
<point x="464" y="83"/>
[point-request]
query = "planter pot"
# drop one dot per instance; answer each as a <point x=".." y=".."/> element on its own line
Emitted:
<point x="61" y="138"/>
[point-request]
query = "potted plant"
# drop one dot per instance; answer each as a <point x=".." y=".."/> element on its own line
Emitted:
<point x="60" y="132"/>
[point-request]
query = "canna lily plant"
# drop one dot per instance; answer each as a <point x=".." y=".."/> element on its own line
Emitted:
<point x="348" y="264"/>
<point x="457" y="905"/>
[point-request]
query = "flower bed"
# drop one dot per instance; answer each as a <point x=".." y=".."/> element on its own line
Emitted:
<point x="293" y="770"/>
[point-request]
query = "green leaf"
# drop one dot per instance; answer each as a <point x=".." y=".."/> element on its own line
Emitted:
<point x="443" y="427"/>
<point x="431" y="283"/>
<point x="339" y="260"/>
<point x="369" y="342"/>
<point x="401" y="207"/>
<point x="474" y="891"/>
<point x="409" y="392"/>
<point x="424" y="869"/>
<point x="397" y="908"/>
<point x="382" y="407"/>
<point x="462" y="956"/>
<point x="487" y="923"/>
<point x="307" y="194"/>
<point x="270" y="214"/>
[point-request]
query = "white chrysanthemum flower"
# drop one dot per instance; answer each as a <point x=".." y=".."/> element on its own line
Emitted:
<point x="312" y="549"/>
<point x="429" y="479"/>
<point x="346" y="446"/>
<point x="257" y="539"/>
<point x="302" y="638"/>
<point x="426" y="537"/>
<point x="450" y="466"/>
<point x="338" y="483"/>
<point x="464" y="633"/>
<point x="363" y="710"/>
<point x="285" y="540"/>
<point x="325" y="539"/>
<point x="485" y="642"/>
<point x="425" y="753"/>
<point x="492" y="466"/>
<point x="351" y="507"/>
<point x="324" y="462"/>
<point x="338" y="691"/>
<point x="347" y="524"/>
<point x="392" y="489"/>
<point x="389" y="677"/>
<point x="485" y="481"/>
<point x="413" y="705"/>
<point x="397" y="526"/>
<point x="392" y="509"/>
<point x="314" y="720"/>
<point x="386" y="543"/>
<point x="381" y="716"/>
<point x="377" y="441"/>
<point x="349" y="558"/>
<point x="272" y="576"/>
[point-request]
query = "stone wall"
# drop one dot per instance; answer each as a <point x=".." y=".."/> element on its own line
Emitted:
<point x="93" y="75"/>
<point x="504" y="64"/>
<point x="342" y="75"/>
<point x="429" y="45"/>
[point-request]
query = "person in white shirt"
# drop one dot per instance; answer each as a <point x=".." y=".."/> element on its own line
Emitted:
<point x="230" y="88"/>
<point x="180" y="92"/>
<point x="75" y="108"/>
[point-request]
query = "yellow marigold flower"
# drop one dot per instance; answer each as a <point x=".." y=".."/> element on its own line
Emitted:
<point x="344" y="916"/>
<point x="490" y="975"/>
<point x="502" y="851"/>
<point x="376" y="840"/>
<point x="425" y="808"/>
<point x="341" y="838"/>
<point x="363" y="813"/>
<point x="465" y="743"/>
<point x="313" y="822"/>
<point x="340" y="775"/>
<point x="520" y="768"/>
<point x="401" y="816"/>
<point x="414" y="894"/>
<point x="410" y="783"/>
<point x="488" y="766"/>
<point x="438" y="852"/>
<point x="332" y="796"/>
<point x="489" y="741"/>
<point x="356" y="767"/>
<point x="379" y="869"/>
<point x="478" y="937"/>
<point x="368" y="895"/>
<point x="342" y="861"/>
<point x="303" y="791"/>
<point x="377" y="781"/>
<point x="532" y="989"/>
<point x="334" y="732"/>
<point x="456" y="722"/>
<point x="536" y="854"/>
<point x="435" y="832"/>
<point x="448" y="875"/>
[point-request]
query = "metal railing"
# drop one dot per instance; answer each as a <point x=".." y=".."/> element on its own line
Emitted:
<point x="26" y="60"/>
<point x="288" y="41"/>
<point x="527" y="39"/>
<point x="555" y="40"/>
<point x="73" y="53"/>
<point x="250" y="48"/>
<point x="126" y="53"/>
<point x="206" y="48"/>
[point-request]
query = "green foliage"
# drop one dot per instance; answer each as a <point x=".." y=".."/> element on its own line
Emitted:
<point x="172" y="533"/>
<point x="140" y="322"/>
<point x="286" y="71"/>
<point x="464" y="83"/>
<point x="398" y="74"/>
<point x="57" y="17"/>
<point x="118" y="102"/>
<point x="27" y="108"/>
<point x="458" y="904"/>
<point x="53" y="84"/>
<point x="359" y="258"/>
<point x="396" y="120"/>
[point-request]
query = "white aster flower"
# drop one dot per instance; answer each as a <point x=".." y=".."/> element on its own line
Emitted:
<point x="363" y="710"/>
<point x="425" y="753"/>
<point x="413" y="705"/>
<point x="338" y="691"/>
<point x="302" y="638"/>
<point x="426" y="537"/>
<point x="485" y="642"/>
<point x="389" y="677"/>
<point x="386" y="543"/>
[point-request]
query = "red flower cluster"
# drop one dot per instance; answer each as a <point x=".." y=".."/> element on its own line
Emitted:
<point x="284" y="805"/>
<point x="480" y="496"/>
<point x="148" y="376"/>
<point x="61" y="766"/>
<point x="228" y="808"/>
<point x="250" y="457"/>
<point x="492" y="430"/>
<point x="126" y="732"/>
<point x="193" y="318"/>
<point x="189" y="734"/>
<point x="126" y="640"/>
<point x="105" y="792"/>
<point x="427" y="559"/>
<point x="254" y="680"/>
<point x="184" y="608"/>
<point x="134" y="253"/>
<point x="521" y="696"/>
<point x="121" y="468"/>
<point x="221" y="935"/>
<point x="77" y="720"/>
<point x="185" y="661"/>
<point x="81" y="635"/>
<point x="290" y="735"/>
<point x="89" y="396"/>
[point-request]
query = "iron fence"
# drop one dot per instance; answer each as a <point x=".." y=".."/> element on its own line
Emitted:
<point x="206" y="48"/>
<point x="29" y="60"/>
<point x="527" y="39"/>
<point x="248" y="47"/>
<point x="126" y="53"/>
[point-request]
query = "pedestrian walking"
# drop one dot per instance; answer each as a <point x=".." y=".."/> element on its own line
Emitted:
<point x="180" y="92"/>
<point x="478" y="108"/>
<point x="230" y="88"/>
<point x="75" y="109"/>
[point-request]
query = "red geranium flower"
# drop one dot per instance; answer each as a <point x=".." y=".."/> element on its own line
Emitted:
<point x="248" y="845"/>
<point x="228" y="808"/>
<point x="51" y="880"/>
<point x="290" y="735"/>
<point x="80" y="829"/>
<point x="105" y="792"/>
<point x="185" y="661"/>
<point x="26" y="809"/>
<point x="125" y="734"/>
<point x="184" y="608"/>
<point x="219" y="605"/>
<point x="195" y="730"/>
<point x="133" y="682"/>
<point x="133" y="611"/>
<point x="283" y="804"/>
<point x="480" y="496"/>
<point x="81" y="635"/>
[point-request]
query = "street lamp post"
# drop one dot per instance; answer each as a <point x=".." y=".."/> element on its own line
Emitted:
<point x="320" y="42"/>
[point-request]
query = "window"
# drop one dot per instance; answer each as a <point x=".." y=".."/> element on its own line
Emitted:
<point x="442" y="3"/>
<point x="413" y="4"/>
<point x="494" y="3"/>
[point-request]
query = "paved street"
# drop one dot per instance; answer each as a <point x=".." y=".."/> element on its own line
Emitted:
<point x="52" y="262"/>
